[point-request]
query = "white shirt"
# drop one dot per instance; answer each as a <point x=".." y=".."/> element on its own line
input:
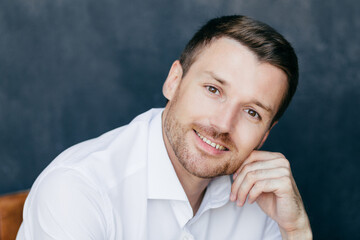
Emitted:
<point x="122" y="185"/>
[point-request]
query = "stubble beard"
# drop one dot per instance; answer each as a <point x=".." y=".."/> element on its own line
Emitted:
<point x="196" y="164"/>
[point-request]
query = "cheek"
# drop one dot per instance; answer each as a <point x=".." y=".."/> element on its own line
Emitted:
<point x="248" y="136"/>
<point x="193" y="104"/>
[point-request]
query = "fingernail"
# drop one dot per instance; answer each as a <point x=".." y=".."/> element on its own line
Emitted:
<point x="238" y="203"/>
<point x="234" y="176"/>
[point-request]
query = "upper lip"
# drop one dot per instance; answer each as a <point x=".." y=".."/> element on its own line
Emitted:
<point x="212" y="140"/>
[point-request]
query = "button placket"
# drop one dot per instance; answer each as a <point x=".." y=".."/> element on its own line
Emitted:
<point x="185" y="235"/>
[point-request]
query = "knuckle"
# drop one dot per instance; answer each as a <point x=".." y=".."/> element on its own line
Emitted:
<point x="286" y="181"/>
<point x="247" y="168"/>
<point x="264" y="184"/>
<point x="279" y="155"/>
<point x="251" y="195"/>
<point x="259" y="173"/>
<point x="252" y="154"/>
<point x="286" y="172"/>
<point x="242" y="188"/>
<point x="285" y="162"/>
<point x="251" y="176"/>
<point x="257" y="186"/>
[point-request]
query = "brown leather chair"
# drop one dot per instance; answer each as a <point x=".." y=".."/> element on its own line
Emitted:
<point x="11" y="207"/>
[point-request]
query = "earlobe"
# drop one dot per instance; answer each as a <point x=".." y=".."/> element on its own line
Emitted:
<point x="173" y="80"/>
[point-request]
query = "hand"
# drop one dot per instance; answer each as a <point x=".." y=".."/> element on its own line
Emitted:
<point x="265" y="177"/>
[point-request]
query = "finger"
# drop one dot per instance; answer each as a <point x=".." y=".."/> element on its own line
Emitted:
<point x="257" y="155"/>
<point x="276" y="185"/>
<point x="252" y="177"/>
<point x="258" y="165"/>
<point x="262" y="164"/>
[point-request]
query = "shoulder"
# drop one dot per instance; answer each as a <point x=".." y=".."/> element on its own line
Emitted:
<point x="64" y="194"/>
<point x="86" y="181"/>
<point x="108" y="159"/>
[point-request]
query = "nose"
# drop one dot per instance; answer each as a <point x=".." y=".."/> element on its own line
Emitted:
<point x="224" y="119"/>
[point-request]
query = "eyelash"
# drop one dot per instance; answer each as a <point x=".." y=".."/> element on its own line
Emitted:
<point x="214" y="90"/>
<point x="210" y="88"/>
<point x="257" y="115"/>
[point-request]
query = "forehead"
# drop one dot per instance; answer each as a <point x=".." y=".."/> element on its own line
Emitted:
<point x="225" y="46"/>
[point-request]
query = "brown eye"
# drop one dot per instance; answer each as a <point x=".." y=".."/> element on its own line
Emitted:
<point x="213" y="90"/>
<point x="253" y="113"/>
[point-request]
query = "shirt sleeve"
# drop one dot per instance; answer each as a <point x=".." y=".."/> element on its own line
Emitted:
<point x="63" y="205"/>
<point x="272" y="231"/>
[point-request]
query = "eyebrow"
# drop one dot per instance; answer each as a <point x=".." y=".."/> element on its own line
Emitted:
<point x="266" y="108"/>
<point x="223" y="82"/>
<point x="217" y="78"/>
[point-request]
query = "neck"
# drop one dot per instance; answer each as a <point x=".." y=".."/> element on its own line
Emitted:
<point x="193" y="186"/>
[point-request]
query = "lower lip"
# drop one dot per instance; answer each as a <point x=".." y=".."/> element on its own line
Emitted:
<point x="207" y="148"/>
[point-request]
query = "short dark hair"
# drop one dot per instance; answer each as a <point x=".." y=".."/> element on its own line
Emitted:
<point x="268" y="45"/>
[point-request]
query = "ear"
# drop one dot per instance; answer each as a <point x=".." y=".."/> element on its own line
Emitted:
<point x="173" y="80"/>
<point x="266" y="135"/>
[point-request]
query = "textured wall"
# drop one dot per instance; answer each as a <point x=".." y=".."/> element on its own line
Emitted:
<point x="71" y="70"/>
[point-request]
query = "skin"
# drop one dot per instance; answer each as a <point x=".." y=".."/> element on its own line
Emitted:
<point x="230" y="98"/>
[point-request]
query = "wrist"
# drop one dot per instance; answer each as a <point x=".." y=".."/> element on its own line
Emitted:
<point x="302" y="232"/>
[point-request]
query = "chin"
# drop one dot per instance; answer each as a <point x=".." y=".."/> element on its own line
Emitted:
<point x="202" y="169"/>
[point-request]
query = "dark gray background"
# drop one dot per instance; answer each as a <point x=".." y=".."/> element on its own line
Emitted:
<point x="73" y="69"/>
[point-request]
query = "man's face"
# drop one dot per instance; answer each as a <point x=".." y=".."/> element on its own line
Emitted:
<point x="221" y="110"/>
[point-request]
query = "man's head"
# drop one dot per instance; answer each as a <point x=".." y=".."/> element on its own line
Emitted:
<point x="267" y="44"/>
<point x="225" y="96"/>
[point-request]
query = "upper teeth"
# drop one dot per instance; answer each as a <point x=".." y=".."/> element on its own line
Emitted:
<point x="217" y="146"/>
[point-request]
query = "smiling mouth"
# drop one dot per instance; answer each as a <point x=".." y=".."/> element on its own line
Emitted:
<point x="210" y="143"/>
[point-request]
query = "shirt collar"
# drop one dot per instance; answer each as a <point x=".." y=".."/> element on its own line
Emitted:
<point x="163" y="182"/>
<point x="217" y="193"/>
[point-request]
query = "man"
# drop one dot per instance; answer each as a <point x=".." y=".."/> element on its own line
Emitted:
<point x="166" y="174"/>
